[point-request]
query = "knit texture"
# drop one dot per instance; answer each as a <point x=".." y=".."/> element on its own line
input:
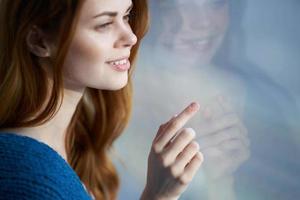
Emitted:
<point x="30" y="169"/>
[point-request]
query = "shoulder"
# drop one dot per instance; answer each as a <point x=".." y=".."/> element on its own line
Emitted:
<point x="31" y="170"/>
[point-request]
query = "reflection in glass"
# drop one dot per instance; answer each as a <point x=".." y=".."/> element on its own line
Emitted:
<point x="212" y="51"/>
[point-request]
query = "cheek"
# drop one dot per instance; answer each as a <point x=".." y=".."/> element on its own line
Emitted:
<point x="87" y="51"/>
<point x="221" y="19"/>
<point x="85" y="64"/>
<point x="85" y="59"/>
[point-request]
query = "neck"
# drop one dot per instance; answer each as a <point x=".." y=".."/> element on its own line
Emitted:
<point x="53" y="132"/>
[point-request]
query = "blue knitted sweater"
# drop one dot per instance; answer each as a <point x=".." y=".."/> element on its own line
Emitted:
<point x="32" y="170"/>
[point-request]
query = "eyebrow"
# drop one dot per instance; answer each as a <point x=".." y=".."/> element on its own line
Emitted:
<point x="111" y="14"/>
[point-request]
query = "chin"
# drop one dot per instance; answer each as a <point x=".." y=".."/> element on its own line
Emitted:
<point x="117" y="85"/>
<point x="117" y="88"/>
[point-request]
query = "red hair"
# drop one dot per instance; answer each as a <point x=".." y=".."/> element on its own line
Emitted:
<point x="100" y="116"/>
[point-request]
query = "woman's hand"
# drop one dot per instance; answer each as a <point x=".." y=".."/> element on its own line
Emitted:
<point x="174" y="158"/>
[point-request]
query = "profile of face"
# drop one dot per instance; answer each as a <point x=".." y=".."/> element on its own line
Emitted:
<point x="193" y="29"/>
<point x="98" y="56"/>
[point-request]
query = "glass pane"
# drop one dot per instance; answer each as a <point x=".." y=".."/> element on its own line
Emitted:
<point x="240" y="60"/>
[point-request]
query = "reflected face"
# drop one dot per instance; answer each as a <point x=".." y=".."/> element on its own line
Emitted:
<point x="194" y="29"/>
<point x="98" y="55"/>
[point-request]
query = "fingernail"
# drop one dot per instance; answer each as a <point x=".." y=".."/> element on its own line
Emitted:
<point x="207" y="113"/>
<point x="194" y="106"/>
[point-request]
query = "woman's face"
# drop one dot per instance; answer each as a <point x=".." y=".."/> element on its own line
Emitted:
<point x="98" y="55"/>
<point x="194" y="29"/>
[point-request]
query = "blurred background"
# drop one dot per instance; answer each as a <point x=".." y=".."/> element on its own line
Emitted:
<point x="240" y="59"/>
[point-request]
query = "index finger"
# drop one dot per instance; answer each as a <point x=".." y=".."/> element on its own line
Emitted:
<point x="183" y="117"/>
<point x="225" y="104"/>
<point x="176" y="123"/>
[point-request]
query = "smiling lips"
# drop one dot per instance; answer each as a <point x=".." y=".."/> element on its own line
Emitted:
<point x="120" y="65"/>
<point x="200" y="44"/>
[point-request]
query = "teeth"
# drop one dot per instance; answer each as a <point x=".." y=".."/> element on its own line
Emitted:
<point x="120" y="62"/>
<point x="202" y="42"/>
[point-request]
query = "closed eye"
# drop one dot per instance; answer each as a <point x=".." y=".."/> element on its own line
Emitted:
<point x="218" y="3"/>
<point x="105" y="25"/>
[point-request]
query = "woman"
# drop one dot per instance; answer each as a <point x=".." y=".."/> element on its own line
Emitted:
<point x="65" y="94"/>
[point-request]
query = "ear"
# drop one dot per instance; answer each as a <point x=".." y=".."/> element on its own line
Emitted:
<point x="37" y="43"/>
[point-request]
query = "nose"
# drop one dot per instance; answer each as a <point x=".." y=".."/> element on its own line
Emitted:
<point x="198" y="19"/>
<point x="204" y="18"/>
<point x="126" y="37"/>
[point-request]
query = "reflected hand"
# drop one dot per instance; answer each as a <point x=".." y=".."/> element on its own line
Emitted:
<point x="224" y="143"/>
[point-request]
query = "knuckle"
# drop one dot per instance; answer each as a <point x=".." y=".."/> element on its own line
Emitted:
<point x="235" y="119"/>
<point x="184" y="179"/>
<point x="237" y="144"/>
<point x="235" y="131"/>
<point x="194" y="146"/>
<point x="174" y="124"/>
<point x="231" y="119"/>
<point x="164" y="160"/>
<point x="174" y="171"/>
<point x="188" y="132"/>
<point x="156" y="148"/>
<point x="200" y="157"/>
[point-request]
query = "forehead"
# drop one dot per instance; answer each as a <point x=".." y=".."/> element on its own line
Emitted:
<point x="182" y="2"/>
<point x="91" y="7"/>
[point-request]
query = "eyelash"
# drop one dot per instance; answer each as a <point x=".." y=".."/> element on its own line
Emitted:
<point x="103" y="26"/>
<point x="127" y="17"/>
<point x="218" y="3"/>
<point x="106" y="25"/>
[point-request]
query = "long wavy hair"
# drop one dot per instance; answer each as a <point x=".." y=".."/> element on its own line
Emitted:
<point x="100" y="116"/>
